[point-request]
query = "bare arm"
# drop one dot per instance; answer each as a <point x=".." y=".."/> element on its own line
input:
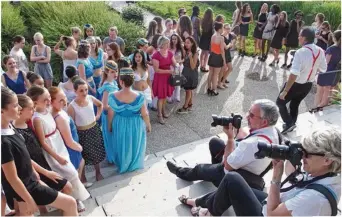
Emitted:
<point x="27" y="82"/>
<point x="71" y="112"/>
<point x="48" y="56"/>
<point x="223" y="45"/>
<point x="157" y="69"/>
<point x="99" y="106"/>
<point x="65" y="131"/>
<point x="56" y="48"/>
<point x="252" y="19"/>
<point x="3" y="80"/>
<point x="105" y="100"/>
<point x="193" y="61"/>
<point x="81" y="71"/>
<point x="146" y="117"/>
<point x="110" y="117"/>
<point x="33" y="58"/>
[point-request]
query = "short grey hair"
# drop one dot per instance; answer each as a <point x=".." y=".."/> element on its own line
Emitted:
<point x="162" y="40"/>
<point x="268" y="110"/>
<point x="327" y="141"/>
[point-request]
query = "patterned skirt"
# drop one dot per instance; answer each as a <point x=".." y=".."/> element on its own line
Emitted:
<point x="93" y="146"/>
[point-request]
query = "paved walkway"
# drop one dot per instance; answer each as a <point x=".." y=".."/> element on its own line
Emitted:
<point x="154" y="190"/>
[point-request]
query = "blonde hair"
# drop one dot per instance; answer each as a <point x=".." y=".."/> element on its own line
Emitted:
<point x="38" y="35"/>
<point x="114" y="28"/>
<point x="75" y="30"/>
<point x="327" y="141"/>
<point x="162" y="40"/>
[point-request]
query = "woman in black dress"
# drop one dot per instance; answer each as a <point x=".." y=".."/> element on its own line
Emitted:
<point x="278" y="40"/>
<point x="245" y="19"/>
<point x="324" y="38"/>
<point x="207" y="32"/>
<point x="259" y="29"/>
<point x="292" y="38"/>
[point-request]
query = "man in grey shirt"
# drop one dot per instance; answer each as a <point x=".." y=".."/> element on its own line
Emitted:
<point x="113" y="37"/>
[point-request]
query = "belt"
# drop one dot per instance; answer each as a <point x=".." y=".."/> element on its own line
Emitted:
<point x="86" y="127"/>
<point x="50" y="134"/>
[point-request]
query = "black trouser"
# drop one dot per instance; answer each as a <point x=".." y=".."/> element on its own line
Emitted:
<point x="208" y="172"/>
<point x="233" y="191"/>
<point x="295" y="95"/>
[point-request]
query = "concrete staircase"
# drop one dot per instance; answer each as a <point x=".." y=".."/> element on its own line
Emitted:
<point x="154" y="190"/>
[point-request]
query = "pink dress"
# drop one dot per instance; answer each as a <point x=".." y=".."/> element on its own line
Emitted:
<point x="161" y="87"/>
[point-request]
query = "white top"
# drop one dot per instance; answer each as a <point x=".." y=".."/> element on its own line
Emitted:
<point x="309" y="202"/>
<point x="302" y="63"/>
<point x="137" y="76"/>
<point x="70" y="94"/>
<point x="84" y="115"/>
<point x="243" y="155"/>
<point x="67" y="63"/>
<point x="20" y="59"/>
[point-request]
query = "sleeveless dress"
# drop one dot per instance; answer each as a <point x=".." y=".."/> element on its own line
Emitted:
<point x="89" y="132"/>
<point x="269" y="28"/>
<point x="227" y="52"/>
<point x="161" y="87"/>
<point x="65" y="64"/>
<point x="205" y="39"/>
<point x="280" y="34"/>
<point x="244" y="27"/>
<point x="129" y="134"/>
<point x="110" y="150"/>
<point x="17" y="86"/>
<point x="320" y="43"/>
<point x="43" y="69"/>
<point x="54" y="139"/>
<point x="262" y="18"/>
<point x="75" y="156"/>
<point x="190" y="74"/>
<point x="97" y="64"/>
<point x="88" y="67"/>
<point x="292" y="36"/>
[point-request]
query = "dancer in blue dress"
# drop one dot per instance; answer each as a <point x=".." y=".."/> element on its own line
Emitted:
<point x="96" y="58"/>
<point x="126" y="117"/>
<point x="108" y="86"/>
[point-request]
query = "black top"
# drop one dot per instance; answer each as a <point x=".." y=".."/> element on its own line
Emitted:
<point x="13" y="148"/>
<point x="262" y="18"/>
<point x="34" y="147"/>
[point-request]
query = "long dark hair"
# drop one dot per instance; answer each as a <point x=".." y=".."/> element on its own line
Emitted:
<point x="208" y="20"/>
<point x="193" y="47"/>
<point x="244" y="9"/>
<point x="195" y="11"/>
<point x="178" y="46"/>
<point x="143" y="61"/>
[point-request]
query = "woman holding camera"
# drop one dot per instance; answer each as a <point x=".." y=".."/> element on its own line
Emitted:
<point x="322" y="164"/>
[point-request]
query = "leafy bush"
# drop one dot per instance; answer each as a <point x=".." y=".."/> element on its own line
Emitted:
<point x="11" y="25"/>
<point x="336" y="95"/>
<point x="133" y="14"/>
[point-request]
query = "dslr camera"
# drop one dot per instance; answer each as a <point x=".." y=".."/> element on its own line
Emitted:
<point x="291" y="151"/>
<point x="225" y="121"/>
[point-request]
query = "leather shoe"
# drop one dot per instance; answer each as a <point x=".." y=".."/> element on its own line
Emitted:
<point x="172" y="167"/>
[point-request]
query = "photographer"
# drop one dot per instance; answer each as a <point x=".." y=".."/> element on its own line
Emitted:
<point x="238" y="155"/>
<point x="322" y="163"/>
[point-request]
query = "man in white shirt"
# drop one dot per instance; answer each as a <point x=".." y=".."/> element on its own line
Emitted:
<point x="307" y="61"/>
<point x="238" y="155"/>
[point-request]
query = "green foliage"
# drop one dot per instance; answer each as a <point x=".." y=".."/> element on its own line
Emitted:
<point x="336" y="95"/>
<point x="54" y="19"/>
<point x="134" y="14"/>
<point x="11" y="25"/>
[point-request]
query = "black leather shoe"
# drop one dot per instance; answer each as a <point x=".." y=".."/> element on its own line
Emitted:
<point x="172" y="167"/>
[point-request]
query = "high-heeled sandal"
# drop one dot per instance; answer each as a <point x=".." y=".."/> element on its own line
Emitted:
<point x="209" y="91"/>
<point x="213" y="93"/>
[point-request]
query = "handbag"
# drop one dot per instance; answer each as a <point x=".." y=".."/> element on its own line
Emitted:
<point x="177" y="79"/>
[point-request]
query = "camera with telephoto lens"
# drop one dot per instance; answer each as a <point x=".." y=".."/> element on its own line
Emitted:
<point x="225" y="121"/>
<point x="291" y="151"/>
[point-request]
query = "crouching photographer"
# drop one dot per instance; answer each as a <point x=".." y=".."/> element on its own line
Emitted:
<point x="312" y="193"/>
<point x="237" y="155"/>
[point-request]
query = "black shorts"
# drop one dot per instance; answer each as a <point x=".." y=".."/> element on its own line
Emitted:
<point x="215" y="60"/>
<point x="57" y="186"/>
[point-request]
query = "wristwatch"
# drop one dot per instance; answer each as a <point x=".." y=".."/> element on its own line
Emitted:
<point x="277" y="183"/>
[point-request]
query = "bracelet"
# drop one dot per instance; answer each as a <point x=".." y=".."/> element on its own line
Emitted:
<point x="277" y="183"/>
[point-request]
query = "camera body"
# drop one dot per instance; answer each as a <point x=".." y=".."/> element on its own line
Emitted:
<point x="225" y="121"/>
<point x="291" y="151"/>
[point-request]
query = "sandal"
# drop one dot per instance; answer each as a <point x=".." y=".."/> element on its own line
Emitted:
<point x="183" y="199"/>
<point x="190" y="107"/>
<point x="195" y="211"/>
<point x="182" y="110"/>
<point x="80" y="206"/>
<point x="161" y="120"/>
<point x="166" y="115"/>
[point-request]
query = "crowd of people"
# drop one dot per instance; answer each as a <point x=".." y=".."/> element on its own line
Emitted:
<point x="100" y="110"/>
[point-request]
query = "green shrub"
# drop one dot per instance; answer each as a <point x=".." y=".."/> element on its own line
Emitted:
<point x="11" y="25"/>
<point x="134" y="14"/>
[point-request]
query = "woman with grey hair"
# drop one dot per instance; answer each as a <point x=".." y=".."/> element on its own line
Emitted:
<point x="162" y="61"/>
<point x="322" y="164"/>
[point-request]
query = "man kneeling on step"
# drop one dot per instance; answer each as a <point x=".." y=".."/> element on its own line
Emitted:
<point x="238" y="155"/>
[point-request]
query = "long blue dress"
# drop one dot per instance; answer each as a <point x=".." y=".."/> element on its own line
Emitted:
<point x="97" y="63"/>
<point x="110" y="88"/>
<point x="128" y="135"/>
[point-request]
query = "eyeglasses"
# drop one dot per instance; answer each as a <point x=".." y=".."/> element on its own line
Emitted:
<point x="306" y="154"/>
<point x="251" y="115"/>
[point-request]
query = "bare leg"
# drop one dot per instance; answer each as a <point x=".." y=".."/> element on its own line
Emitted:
<point x="83" y="177"/>
<point x="255" y="46"/>
<point x="3" y="204"/>
<point x="206" y="56"/>
<point x="325" y="96"/>
<point x="187" y="98"/>
<point x="48" y="83"/>
<point x="210" y="78"/>
<point x="286" y="54"/>
<point x="263" y="44"/>
<point x="67" y="188"/>
<point x="80" y="168"/>
<point x="216" y="72"/>
<point x="220" y="78"/>
<point x="191" y="95"/>
<point x="202" y="58"/>
<point x="229" y="70"/>
<point x="268" y="47"/>
<point x="319" y="96"/>
<point x="98" y="172"/>
<point x="65" y="203"/>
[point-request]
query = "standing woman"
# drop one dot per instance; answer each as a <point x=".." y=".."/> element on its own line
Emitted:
<point x="278" y="40"/>
<point x="292" y="37"/>
<point x="96" y="58"/>
<point x="68" y="86"/>
<point x="236" y="21"/>
<point x="196" y="24"/>
<point x="319" y="19"/>
<point x="267" y="35"/>
<point x="114" y="52"/>
<point x="229" y="40"/>
<point x="168" y="31"/>
<point x="151" y="31"/>
<point x="190" y="72"/>
<point x="162" y="61"/>
<point x="177" y="49"/>
<point x="207" y="32"/>
<point x="159" y="21"/>
<point x="88" y="31"/>
<point x="76" y="34"/>
<point x="217" y="58"/>
<point x="245" y="19"/>
<point x="18" y="54"/>
<point x="69" y="56"/>
<point x="259" y="28"/>
<point x="184" y="28"/>
<point x="41" y="54"/>
<point x="324" y="38"/>
<point x="326" y="81"/>
<point x="85" y="68"/>
<point x="13" y="78"/>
